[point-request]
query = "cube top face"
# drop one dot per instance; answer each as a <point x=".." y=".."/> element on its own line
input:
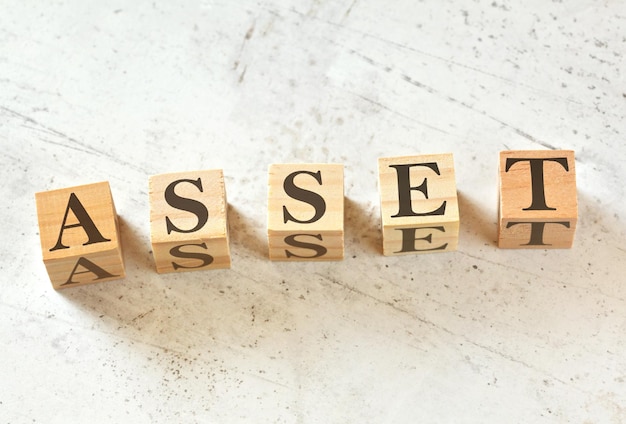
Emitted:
<point x="413" y="187"/>
<point x="538" y="202"/>
<point x="188" y="206"/>
<point x="305" y="195"/>
<point x="538" y="185"/>
<point x="63" y="236"/>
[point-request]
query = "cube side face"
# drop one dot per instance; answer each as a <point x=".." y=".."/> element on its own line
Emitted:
<point x="79" y="234"/>
<point x="188" y="221"/>
<point x="418" y="197"/>
<point x="306" y="246"/>
<point x="86" y="269"/>
<point x="192" y="255"/>
<point x="538" y="206"/>
<point x="433" y="238"/>
<point x="513" y="234"/>
<point x="306" y="212"/>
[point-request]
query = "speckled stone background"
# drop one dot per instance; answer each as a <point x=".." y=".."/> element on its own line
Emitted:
<point x="119" y="91"/>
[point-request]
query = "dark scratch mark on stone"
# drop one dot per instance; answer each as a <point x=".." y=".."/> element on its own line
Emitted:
<point x="250" y="32"/>
<point x="518" y="131"/>
<point x="433" y="91"/>
<point x="446" y="60"/>
<point x="140" y="316"/>
<point x="463" y="337"/>
<point x="349" y="9"/>
<point x="246" y="37"/>
<point x="382" y="106"/>
<point x="74" y="143"/>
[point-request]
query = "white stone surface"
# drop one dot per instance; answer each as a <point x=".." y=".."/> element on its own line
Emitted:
<point x="119" y="91"/>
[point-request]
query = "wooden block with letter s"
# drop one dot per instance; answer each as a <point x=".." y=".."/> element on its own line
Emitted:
<point x="306" y="212"/>
<point x="80" y="237"/>
<point x="418" y="204"/>
<point x="538" y="202"/>
<point x="188" y="221"/>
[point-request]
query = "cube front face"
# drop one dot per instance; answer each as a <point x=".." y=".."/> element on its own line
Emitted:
<point x="306" y="212"/>
<point x="418" y="204"/>
<point x="538" y="203"/>
<point x="79" y="232"/>
<point x="188" y="221"/>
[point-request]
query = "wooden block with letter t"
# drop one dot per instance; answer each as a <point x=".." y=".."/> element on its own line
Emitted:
<point x="188" y="221"/>
<point x="305" y="212"/>
<point x="79" y="232"/>
<point x="538" y="203"/>
<point x="418" y="204"/>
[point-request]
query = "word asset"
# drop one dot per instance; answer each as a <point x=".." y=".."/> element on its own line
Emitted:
<point x="80" y="233"/>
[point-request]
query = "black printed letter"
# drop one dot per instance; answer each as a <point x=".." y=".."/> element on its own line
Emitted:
<point x="408" y="239"/>
<point x="291" y="241"/>
<point x="84" y="220"/>
<point x="536" y="179"/>
<point x="536" y="231"/>
<point x="178" y="253"/>
<point x="307" y="196"/>
<point x="90" y="267"/>
<point x="190" y="205"/>
<point x="404" y="190"/>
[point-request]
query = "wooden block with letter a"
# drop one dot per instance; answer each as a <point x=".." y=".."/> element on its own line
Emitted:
<point x="538" y="203"/>
<point x="188" y="221"/>
<point x="80" y="237"/>
<point x="418" y="204"/>
<point x="306" y="212"/>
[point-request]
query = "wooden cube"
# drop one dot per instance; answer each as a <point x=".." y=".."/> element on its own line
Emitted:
<point x="538" y="203"/>
<point x="80" y="237"/>
<point x="188" y="221"/>
<point x="418" y="204"/>
<point x="306" y="212"/>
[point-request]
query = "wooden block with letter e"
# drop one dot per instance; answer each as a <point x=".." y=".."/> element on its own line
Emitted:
<point x="305" y="212"/>
<point x="418" y="204"/>
<point x="80" y="237"/>
<point x="188" y="221"/>
<point x="538" y="203"/>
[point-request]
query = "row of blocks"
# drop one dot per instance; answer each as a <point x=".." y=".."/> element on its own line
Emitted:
<point x="80" y="236"/>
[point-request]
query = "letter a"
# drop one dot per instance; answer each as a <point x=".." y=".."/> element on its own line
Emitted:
<point x="84" y="220"/>
<point x="91" y="268"/>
